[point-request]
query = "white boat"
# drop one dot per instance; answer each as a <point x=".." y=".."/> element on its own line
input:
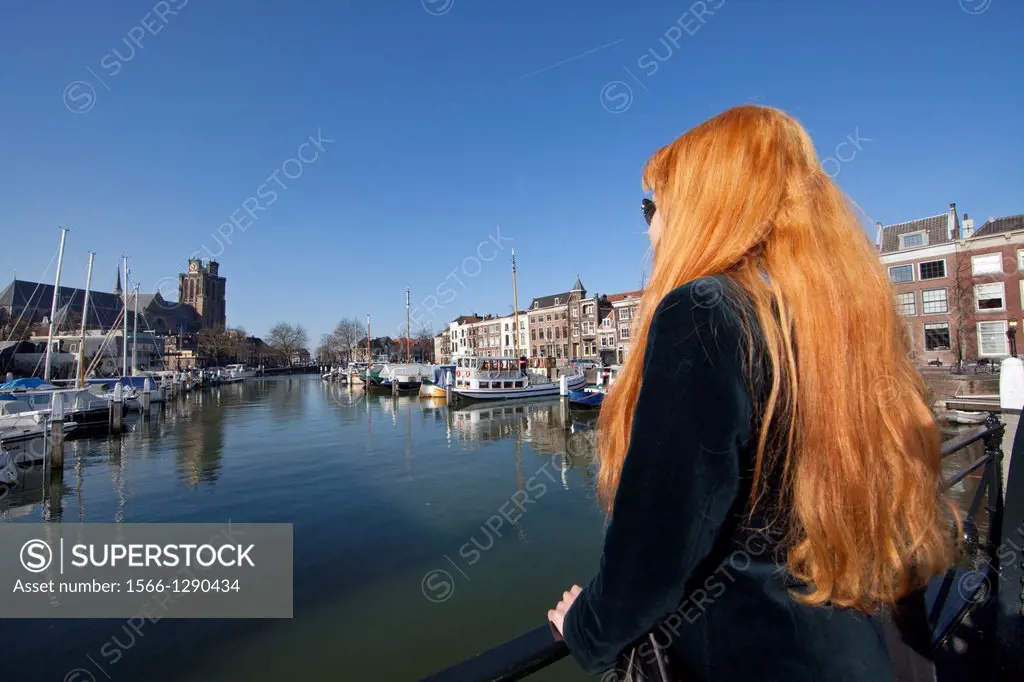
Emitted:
<point x="499" y="378"/>
<point x="20" y="422"/>
<point x="963" y="416"/>
<point x="81" y="405"/>
<point x="409" y="376"/>
<point x="8" y="473"/>
<point x="236" y="373"/>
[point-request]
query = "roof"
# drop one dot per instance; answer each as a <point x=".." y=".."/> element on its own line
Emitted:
<point x="548" y="301"/>
<point x="615" y="298"/>
<point x="1000" y="225"/>
<point x="578" y="286"/>
<point x="937" y="228"/>
<point x="33" y="300"/>
<point x="464" y="319"/>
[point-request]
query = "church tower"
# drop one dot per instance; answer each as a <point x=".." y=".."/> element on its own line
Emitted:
<point x="202" y="287"/>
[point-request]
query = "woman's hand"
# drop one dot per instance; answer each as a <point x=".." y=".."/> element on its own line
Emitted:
<point x="557" y="614"/>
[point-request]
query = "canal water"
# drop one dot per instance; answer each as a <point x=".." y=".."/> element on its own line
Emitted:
<point x="406" y="559"/>
<point x="422" y="535"/>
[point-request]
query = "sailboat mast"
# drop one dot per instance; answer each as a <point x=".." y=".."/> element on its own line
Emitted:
<point x="408" y="331"/>
<point x="515" y="304"/>
<point x="369" y="356"/>
<point x="53" y="306"/>
<point x="135" y="328"/>
<point x="124" y="336"/>
<point x="85" y="317"/>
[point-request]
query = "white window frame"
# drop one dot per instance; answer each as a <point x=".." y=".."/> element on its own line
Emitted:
<point x="945" y="270"/>
<point x="924" y="239"/>
<point x="977" y="301"/>
<point x="1020" y="259"/>
<point x="986" y="268"/>
<point x="945" y="300"/>
<point x="913" y="273"/>
<point x="924" y="340"/>
<point x="902" y="305"/>
<point x="606" y="323"/>
<point x="1002" y="338"/>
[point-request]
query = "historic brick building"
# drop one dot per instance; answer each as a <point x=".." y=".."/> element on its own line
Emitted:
<point x="957" y="288"/>
<point x="202" y="287"/>
<point x="625" y="309"/>
<point x="548" y="322"/>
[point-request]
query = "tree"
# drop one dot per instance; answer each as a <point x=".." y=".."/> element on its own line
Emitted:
<point x="217" y="345"/>
<point x="424" y="342"/>
<point x="287" y="339"/>
<point x="344" y="338"/>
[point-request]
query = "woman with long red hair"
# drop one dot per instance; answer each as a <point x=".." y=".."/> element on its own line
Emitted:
<point x="768" y="461"/>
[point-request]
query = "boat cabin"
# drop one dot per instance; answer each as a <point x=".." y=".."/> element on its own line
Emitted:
<point x="492" y="373"/>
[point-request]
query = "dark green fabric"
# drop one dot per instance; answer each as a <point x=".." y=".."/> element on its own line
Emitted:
<point x="678" y="559"/>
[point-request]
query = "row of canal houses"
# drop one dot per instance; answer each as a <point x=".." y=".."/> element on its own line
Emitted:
<point x="960" y="291"/>
<point x="560" y="327"/>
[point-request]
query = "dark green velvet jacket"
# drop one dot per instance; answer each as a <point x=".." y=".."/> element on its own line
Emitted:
<point x="678" y="559"/>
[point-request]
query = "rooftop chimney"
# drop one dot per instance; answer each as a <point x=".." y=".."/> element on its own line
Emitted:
<point x="968" y="226"/>
<point x="878" y="236"/>
<point x="952" y="222"/>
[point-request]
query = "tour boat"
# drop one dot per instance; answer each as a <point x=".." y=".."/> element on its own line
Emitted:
<point x="499" y="378"/>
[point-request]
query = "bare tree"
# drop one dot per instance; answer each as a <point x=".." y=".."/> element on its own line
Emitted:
<point x="287" y="339"/>
<point x="344" y="338"/>
<point x="961" y="304"/>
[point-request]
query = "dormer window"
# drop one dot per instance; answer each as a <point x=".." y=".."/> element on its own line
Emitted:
<point x="557" y="300"/>
<point x="913" y="239"/>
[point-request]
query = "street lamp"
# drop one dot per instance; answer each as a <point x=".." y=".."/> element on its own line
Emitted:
<point x="1011" y="334"/>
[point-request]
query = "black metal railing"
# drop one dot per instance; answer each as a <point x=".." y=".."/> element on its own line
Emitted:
<point x="972" y="605"/>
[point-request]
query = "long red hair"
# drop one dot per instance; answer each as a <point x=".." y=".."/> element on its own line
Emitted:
<point x="845" y="423"/>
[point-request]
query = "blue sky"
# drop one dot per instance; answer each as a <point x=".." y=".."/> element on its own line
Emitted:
<point x="456" y="127"/>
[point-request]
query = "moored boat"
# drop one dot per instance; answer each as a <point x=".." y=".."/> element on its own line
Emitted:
<point x="437" y="387"/>
<point x="589" y="398"/>
<point x="499" y="378"/>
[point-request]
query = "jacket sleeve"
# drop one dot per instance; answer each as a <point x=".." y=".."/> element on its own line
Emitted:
<point x="679" y="481"/>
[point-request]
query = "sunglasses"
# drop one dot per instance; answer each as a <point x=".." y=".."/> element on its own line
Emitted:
<point x="648" y="207"/>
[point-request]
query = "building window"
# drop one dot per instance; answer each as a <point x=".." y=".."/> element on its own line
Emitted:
<point x="549" y="317"/>
<point x="624" y="314"/>
<point x="1020" y="259"/>
<point x="558" y="331"/>
<point x="607" y="322"/>
<point x="574" y="312"/>
<point x="907" y="303"/>
<point x="557" y="300"/>
<point x="932" y="269"/>
<point x="933" y="301"/>
<point x="901" y="273"/>
<point x="989" y="297"/>
<point x="936" y="336"/>
<point x="588" y="309"/>
<point x="575" y="332"/>
<point x="533" y="334"/>
<point x="588" y="327"/>
<point x="558" y="351"/>
<point x="912" y="239"/>
<point x="992" y="338"/>
<point x="624" y="331"/>
<point x="987" y="264"/>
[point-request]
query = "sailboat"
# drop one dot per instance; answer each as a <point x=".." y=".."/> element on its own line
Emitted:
<point x="502" y="378"/>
